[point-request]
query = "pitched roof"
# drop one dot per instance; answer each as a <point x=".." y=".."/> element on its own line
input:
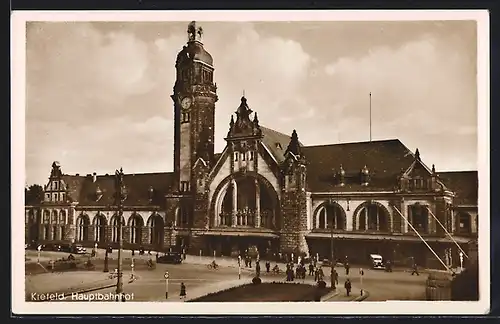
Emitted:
<point x="83" y="189"/>
<point x="275" y="142"/>
<point x="464" y="184"/>
<point x="384" y="159"/>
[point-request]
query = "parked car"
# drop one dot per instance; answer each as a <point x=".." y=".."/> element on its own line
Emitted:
<point x="170" y="257"/>
<point x="72" y="248"/>
<point x="51" y="247"/>
<point x="377" y="261"/>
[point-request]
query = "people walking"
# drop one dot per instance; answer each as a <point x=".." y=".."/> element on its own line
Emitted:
<point x="415" y="270"/>
<point x="388" y="266"/>
<point x="347" y="267"/>
<point x="348" y="286"/>
<point x="182" y="294"/>
<point x="268" y="266"/>
<point x="311" y="269"/>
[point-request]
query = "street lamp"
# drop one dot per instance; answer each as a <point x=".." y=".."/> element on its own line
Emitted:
<point x="119" y="201"/>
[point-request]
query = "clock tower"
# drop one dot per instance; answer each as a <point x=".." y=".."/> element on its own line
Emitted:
<point x="194" y="100"/>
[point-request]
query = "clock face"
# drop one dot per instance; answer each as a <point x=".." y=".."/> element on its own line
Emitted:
<point x="186" y="102"/>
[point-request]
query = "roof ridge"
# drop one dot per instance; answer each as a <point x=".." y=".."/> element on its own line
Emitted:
<point x="364" y="142"/>
<point x="273" y="130"/>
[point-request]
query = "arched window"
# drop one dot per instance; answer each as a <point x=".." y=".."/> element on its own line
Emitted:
<point x="100" y="228"/>
<point x="115" y="228"/>
<point x="331" y="216"/>
<point x="135" y="229"/>
<point x="373" y="217"/>
<point x="82" y="228"/>
<point x="157" y="230"/>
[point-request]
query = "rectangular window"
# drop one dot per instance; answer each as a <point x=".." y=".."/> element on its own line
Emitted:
<point x="184" y="186"/>
<point x="243" y="156"/>
<point x="251" y="156"/>
<point x="47" y="197"/>
<point x="55" y="185"/>
<point x="236" y="156"/>
<point x="185" y="117"/>
<point x="54" y="197"/>
<point x="62" y="196"/>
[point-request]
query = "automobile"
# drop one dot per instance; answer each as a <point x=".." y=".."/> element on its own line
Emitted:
<point x="51" y="247"/>
<point x="170" y="257"/>
<point x="72" y="248"/>
<point x="78" y="249"/>
<point x="377" y="261"/>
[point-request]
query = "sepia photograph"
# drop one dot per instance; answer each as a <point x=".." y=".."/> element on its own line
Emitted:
<point x="251" y="162"/>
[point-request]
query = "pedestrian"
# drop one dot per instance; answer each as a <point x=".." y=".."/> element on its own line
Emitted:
<point x="157" y="257"/>
<point x="388" y="266"/>
<point x="133" y="252"/>
<point x="336" y="275"/>
<point x="184" y="253"/>
<point x="321" y="274"/>
<point x="239" y="260"/>
<point x="182" y="295"/>
<point x="347" y="268"/>
<point x="268" y="266"/>
<point x="257" y="269"/>
<point x="316" y="274"/>
<point x="249" y="261"/>
<point x="348" y="286"/>
<point x="415" y="270"/>
<point x="311" y="269"/>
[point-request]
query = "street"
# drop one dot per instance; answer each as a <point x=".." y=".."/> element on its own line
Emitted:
<point x="200" y="280"/>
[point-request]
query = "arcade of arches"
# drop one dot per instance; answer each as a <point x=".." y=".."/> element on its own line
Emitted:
<point x="134" y="231"/>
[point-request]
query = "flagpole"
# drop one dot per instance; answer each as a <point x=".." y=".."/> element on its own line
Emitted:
<point x="370" y="116"/>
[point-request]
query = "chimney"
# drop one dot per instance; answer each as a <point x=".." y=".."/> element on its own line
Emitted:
<point x="94" y="177"/>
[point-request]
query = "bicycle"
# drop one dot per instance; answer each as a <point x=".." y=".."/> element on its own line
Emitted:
<point x="213" y="266"/>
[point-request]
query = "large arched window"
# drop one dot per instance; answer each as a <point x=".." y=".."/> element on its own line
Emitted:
<point x="135" y="225"/>
<point x="82" y="228"/>
<point x="156" y="224"/>
<point x="330" y="216"/>
<point x="115" y="228"/>
<point x="373" y="217"/>
<point x="100" y="228"/>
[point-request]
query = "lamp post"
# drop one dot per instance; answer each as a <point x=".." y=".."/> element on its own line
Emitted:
<point x="119" y="200"/>
<point x="332" y="262"/>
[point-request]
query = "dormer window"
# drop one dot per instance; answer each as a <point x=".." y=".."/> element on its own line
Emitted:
<point x="55" y="185"/>
<point x="278" y="146"/>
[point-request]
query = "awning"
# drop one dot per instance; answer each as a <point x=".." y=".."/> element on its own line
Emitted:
<point x="239" y="233"/>
<point x="378" y="237"/>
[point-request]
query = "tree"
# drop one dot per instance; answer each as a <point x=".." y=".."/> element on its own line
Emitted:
<point x="33" y="194"/>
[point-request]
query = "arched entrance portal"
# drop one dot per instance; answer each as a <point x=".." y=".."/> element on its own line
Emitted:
<point x="245" y="209"/>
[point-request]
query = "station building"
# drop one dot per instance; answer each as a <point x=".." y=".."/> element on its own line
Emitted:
<point x="265" y="191"/>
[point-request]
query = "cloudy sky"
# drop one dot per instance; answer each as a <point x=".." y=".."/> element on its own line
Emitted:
<point x="98" y="93"/>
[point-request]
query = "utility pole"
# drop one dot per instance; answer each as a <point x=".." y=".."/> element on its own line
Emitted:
<point x="370" y="116"/>
<point x="119" y="197"/>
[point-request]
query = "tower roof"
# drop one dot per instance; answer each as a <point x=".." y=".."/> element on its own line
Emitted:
<point x="194" y="49"/>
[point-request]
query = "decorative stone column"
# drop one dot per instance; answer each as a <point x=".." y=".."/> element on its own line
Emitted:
<point x="235" y="203"/>
<point x="257" y="203"/>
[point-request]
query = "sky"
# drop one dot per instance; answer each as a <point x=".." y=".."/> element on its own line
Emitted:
<point x="98" y="93"/>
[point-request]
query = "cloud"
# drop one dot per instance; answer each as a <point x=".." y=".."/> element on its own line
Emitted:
<point x="421" y="87"/>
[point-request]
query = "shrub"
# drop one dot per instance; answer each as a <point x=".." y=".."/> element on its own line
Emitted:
<point x="256" y="280"/>
<point x="321" y="284"/>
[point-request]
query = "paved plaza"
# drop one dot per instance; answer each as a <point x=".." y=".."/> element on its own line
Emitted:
<point x="200" y="280"/>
